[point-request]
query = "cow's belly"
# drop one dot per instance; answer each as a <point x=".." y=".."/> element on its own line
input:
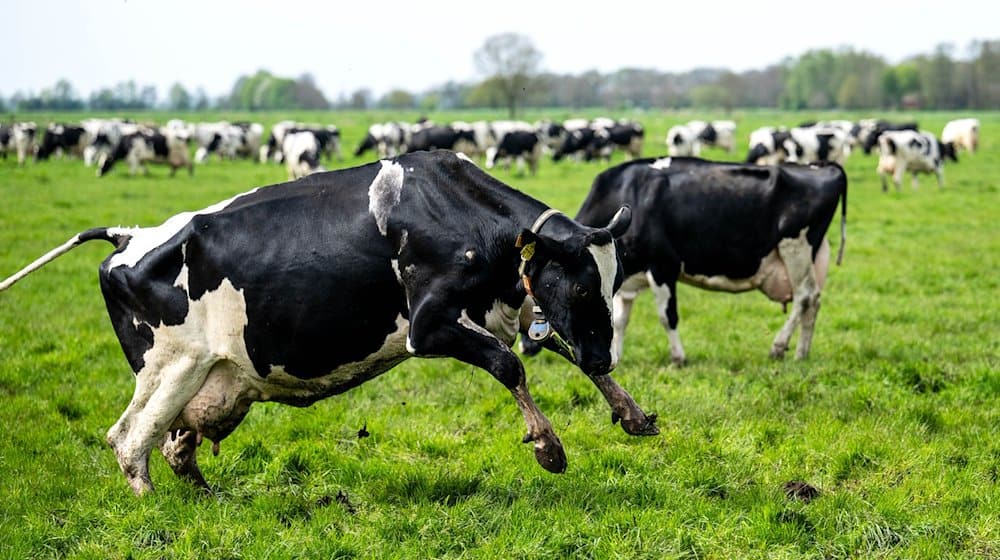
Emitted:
<point x="771" y="278"/>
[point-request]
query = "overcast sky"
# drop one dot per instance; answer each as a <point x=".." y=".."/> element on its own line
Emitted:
<point x="417" y="44"/>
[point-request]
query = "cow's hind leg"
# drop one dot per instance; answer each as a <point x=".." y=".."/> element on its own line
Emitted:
<point x="665" y="294"/>
<point x="797" y="255"/>
<point x="161" y="392"/>
<point x="180" y="448"/>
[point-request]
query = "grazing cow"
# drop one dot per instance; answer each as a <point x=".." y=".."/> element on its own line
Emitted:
<point x="524" y="145"/>
<point x="105" y="135"/>
<point x="599" y="138"/>
<point x="435" y="137"/>
<point x="720" y="134"/>
<point x="19" y="137"/>
<point x="6" y="139"/>
<point x="148" y="146"/>
<point x="722" y="226"/>
<point x="963" y="133"/>
<point x="682" y="140"/>
<point x="300" y="291"/>
<point x="914" y="151"/>
<point x="387" y="139"/>
<point x="550" y="134"/>
<point x="816" y="144"/>
<point x="302" y="152"/>
<point x="272" y="149"/>
<point x="868" y="132"/>
<point x="768" y="146"/>
<point x="63" y="139"/>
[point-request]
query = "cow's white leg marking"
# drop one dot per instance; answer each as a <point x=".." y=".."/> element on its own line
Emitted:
<point x="384" y="193"/>
<point x="623" y="301"/>
<point x="662" y="295"/>
<point x="797" y="256"/>
<point x="607" y="265"/>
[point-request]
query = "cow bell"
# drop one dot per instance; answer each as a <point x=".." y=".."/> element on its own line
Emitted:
<point x="540" y="329"/>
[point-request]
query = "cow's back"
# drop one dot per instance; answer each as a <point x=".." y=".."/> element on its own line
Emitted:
<point x="305" y="257"/>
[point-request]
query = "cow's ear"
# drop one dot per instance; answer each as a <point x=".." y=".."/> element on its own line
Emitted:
<point x="620" y="221"/>
<point x="535" y="249"/>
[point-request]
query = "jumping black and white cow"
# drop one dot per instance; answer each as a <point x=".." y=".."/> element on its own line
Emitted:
<point x="62" y="139"/>
<point x="914" y="151"/>
<point x="962" y="133"/>
<point x="148" y="146"/>
<point x="522" y="145"/>
<point x="435" y="137"/>
<point x="300" y="291"/>
<point x="301" y="151"/>
<point x="720" y="134"/>
<point x="725" y="227"/>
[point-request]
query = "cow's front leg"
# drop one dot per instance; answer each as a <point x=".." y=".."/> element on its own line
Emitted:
<point x="450" y="332"/>
<point x="634" y="421"/>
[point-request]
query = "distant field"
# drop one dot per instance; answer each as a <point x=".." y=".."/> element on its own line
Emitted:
<point x="894" y="418"/>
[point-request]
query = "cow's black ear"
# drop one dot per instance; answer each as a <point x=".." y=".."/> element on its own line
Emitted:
<point x="620" y="222"/>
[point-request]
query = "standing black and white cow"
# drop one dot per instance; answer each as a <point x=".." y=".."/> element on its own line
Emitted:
<point x="296" y="292"/>
<point x="62" y="139"/>
<point x="387" y="139"/>
<point x="435" y="137"/>
<point x="599" y="138"/>
<point x="868" y="132"/>
<point x="962" y="133"/>
<point x="148" y="146"/>
<point x="301" y="151"/>
<point x="914" y="151"/>
<point x="722" y="226"/>
<point x="768" y="146"/>
<point x="20" y="138"/>
<point x="522" y="145"/>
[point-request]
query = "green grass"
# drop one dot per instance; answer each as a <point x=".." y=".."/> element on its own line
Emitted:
<point x="893" y="418"/>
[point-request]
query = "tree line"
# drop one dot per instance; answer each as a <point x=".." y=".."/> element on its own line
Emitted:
<point x="820" y="79"/>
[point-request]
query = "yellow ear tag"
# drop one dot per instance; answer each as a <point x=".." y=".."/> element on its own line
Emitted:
<point x="528" y="251"/>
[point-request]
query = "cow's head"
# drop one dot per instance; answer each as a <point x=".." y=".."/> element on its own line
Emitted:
<point x="572" y="282"/>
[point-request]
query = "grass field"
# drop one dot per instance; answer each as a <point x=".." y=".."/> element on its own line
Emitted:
<point x="894" y="417"/>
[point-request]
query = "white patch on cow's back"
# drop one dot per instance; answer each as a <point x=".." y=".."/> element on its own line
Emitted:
<point x="144" y="240"/>
<point x="395" y="268"/>
<point x="461" y="155"/>
<point x="384" y="193"/>
<point x="661" y="163"/>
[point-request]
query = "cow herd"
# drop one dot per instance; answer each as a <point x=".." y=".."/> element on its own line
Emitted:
<point x="299" y="291"/>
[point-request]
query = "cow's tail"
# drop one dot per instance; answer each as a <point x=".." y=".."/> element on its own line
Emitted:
<point x="116" y="236"/>
<point x="843" y="223"/>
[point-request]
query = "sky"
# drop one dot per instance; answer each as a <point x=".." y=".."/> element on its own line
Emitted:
<point x="418" y="44"/>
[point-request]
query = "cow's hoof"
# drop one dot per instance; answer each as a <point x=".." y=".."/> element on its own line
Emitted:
<point x="643" y="426"/>
<point x="778" y="352"/>
<point x="679" y="361"/>
<point x="550" y="455"/>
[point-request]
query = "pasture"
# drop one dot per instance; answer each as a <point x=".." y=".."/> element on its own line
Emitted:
<point x="893" y="419"/>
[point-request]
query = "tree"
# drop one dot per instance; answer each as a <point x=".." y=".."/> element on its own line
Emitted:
<point x="510" y="61"/>
<point x="398" y="99"/>
<point x="178" y="98"/>
<point x="361" y="99"/>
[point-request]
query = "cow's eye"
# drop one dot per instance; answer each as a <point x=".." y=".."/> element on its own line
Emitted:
<point x="581" y="290"/>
